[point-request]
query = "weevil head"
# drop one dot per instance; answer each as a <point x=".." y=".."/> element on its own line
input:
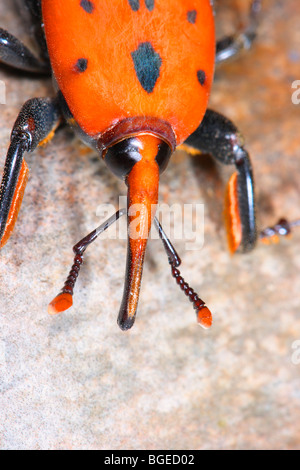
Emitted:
<point x="139" y="160"/>
<point x="148" y="149"/>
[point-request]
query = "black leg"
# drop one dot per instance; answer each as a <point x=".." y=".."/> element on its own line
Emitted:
<point x="34" y="9"/>
<point x="231" y="46"/>
<point x="36" y="122"/>
<point x="15" y="54"/>
<point x="219" y="137"/>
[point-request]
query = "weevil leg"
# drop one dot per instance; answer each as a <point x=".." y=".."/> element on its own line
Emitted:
<point x="17" y="55"/>
<point x="36" y="123"/>
<point x="230" y="46"/>
<point x="283" y="228"/>
<point x="218" y="136"/>
<point x="34" y="20"/>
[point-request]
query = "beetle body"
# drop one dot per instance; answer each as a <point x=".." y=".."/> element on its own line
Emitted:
<point x="152" y="60"/>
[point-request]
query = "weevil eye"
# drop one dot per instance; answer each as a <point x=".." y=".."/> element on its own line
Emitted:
<point x="122" y="156"/>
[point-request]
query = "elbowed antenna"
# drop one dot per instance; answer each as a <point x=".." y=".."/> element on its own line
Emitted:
<point x="64" y="300"/>
<point x="139" y="161"/>
<point x="204" y="316"/>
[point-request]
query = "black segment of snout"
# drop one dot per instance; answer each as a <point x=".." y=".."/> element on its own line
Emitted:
<point x="122" y="156"/>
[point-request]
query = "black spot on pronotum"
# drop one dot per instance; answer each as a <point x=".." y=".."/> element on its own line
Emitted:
<point x="192" y="16"/>
<point x="149" y="4"/>
<point x="201" y="75"/>
<point x="87" y="6"/>
<point x="81" y="65"/>
<point x="135" y="4"/>
<point x="147" y="65"/>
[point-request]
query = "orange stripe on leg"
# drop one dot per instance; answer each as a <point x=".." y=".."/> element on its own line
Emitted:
<point x="16" y="203"/>
<point x="232" y="215"/>
<point x="189" y="149"/>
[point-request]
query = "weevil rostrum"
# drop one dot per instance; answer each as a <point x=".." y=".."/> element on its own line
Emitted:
<point x="134" y="102"/>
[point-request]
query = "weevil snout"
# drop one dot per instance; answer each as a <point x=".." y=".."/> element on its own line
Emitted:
<point x="139" y="160"/>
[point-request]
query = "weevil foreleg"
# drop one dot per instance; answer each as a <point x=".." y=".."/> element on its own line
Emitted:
<point x="37" y="121"/>
<point x="218" y="136"/>
<point x="230" y="46"/>
<point x="17" y="55"/>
